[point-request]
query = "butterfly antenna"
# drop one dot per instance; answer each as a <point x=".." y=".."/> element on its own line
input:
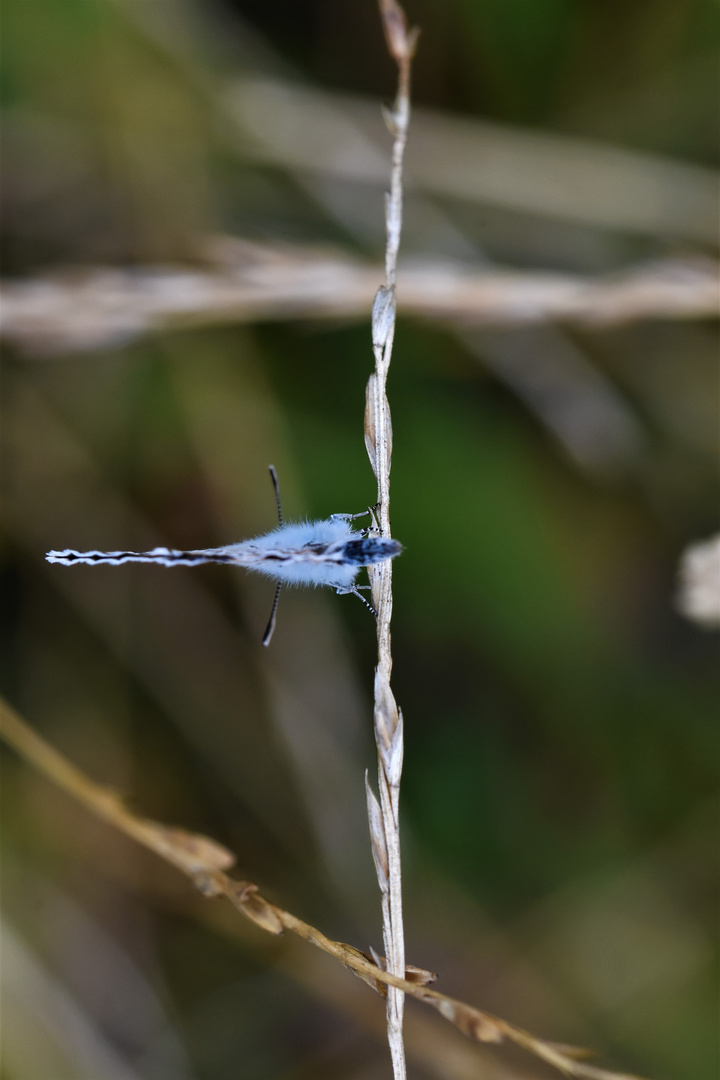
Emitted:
<point x="273" y="615"/>
<point x="276" y="488"/>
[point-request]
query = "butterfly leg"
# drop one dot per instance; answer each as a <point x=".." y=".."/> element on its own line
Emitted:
<point x="349" y="517"/>
<point x="356" y="590"/>
<point x="371" y="510"/>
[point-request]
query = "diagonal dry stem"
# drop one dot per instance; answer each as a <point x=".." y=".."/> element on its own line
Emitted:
<point x="205" y="862"/>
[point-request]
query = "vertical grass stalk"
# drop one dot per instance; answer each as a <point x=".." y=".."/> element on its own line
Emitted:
<point x="383" y="815"/>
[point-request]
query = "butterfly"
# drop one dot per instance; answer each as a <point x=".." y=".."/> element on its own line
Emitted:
<point x="327" y="552"/>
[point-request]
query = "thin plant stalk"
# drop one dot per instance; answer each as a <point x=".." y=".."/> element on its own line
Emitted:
<point x="205" y="861"/>
<point x="384" y="814"/>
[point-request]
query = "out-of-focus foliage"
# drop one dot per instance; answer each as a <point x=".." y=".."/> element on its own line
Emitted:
<point x="560" y="786"/>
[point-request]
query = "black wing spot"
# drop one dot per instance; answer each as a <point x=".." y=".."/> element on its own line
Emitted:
<point x="318" y="549"/>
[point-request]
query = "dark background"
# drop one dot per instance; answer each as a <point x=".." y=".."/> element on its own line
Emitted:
<point x="560" y="784"/>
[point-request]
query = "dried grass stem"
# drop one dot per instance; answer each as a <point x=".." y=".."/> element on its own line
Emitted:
<point x="205" y="862"/>
<point x="384" y="816"/>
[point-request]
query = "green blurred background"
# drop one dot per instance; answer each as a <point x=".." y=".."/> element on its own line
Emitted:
<point x="560" y="785"/>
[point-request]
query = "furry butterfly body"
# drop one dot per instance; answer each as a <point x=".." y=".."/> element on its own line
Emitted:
<point x="328" y="552"/>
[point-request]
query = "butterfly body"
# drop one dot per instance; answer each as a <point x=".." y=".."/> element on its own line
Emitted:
<point x="327" y="552"/>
